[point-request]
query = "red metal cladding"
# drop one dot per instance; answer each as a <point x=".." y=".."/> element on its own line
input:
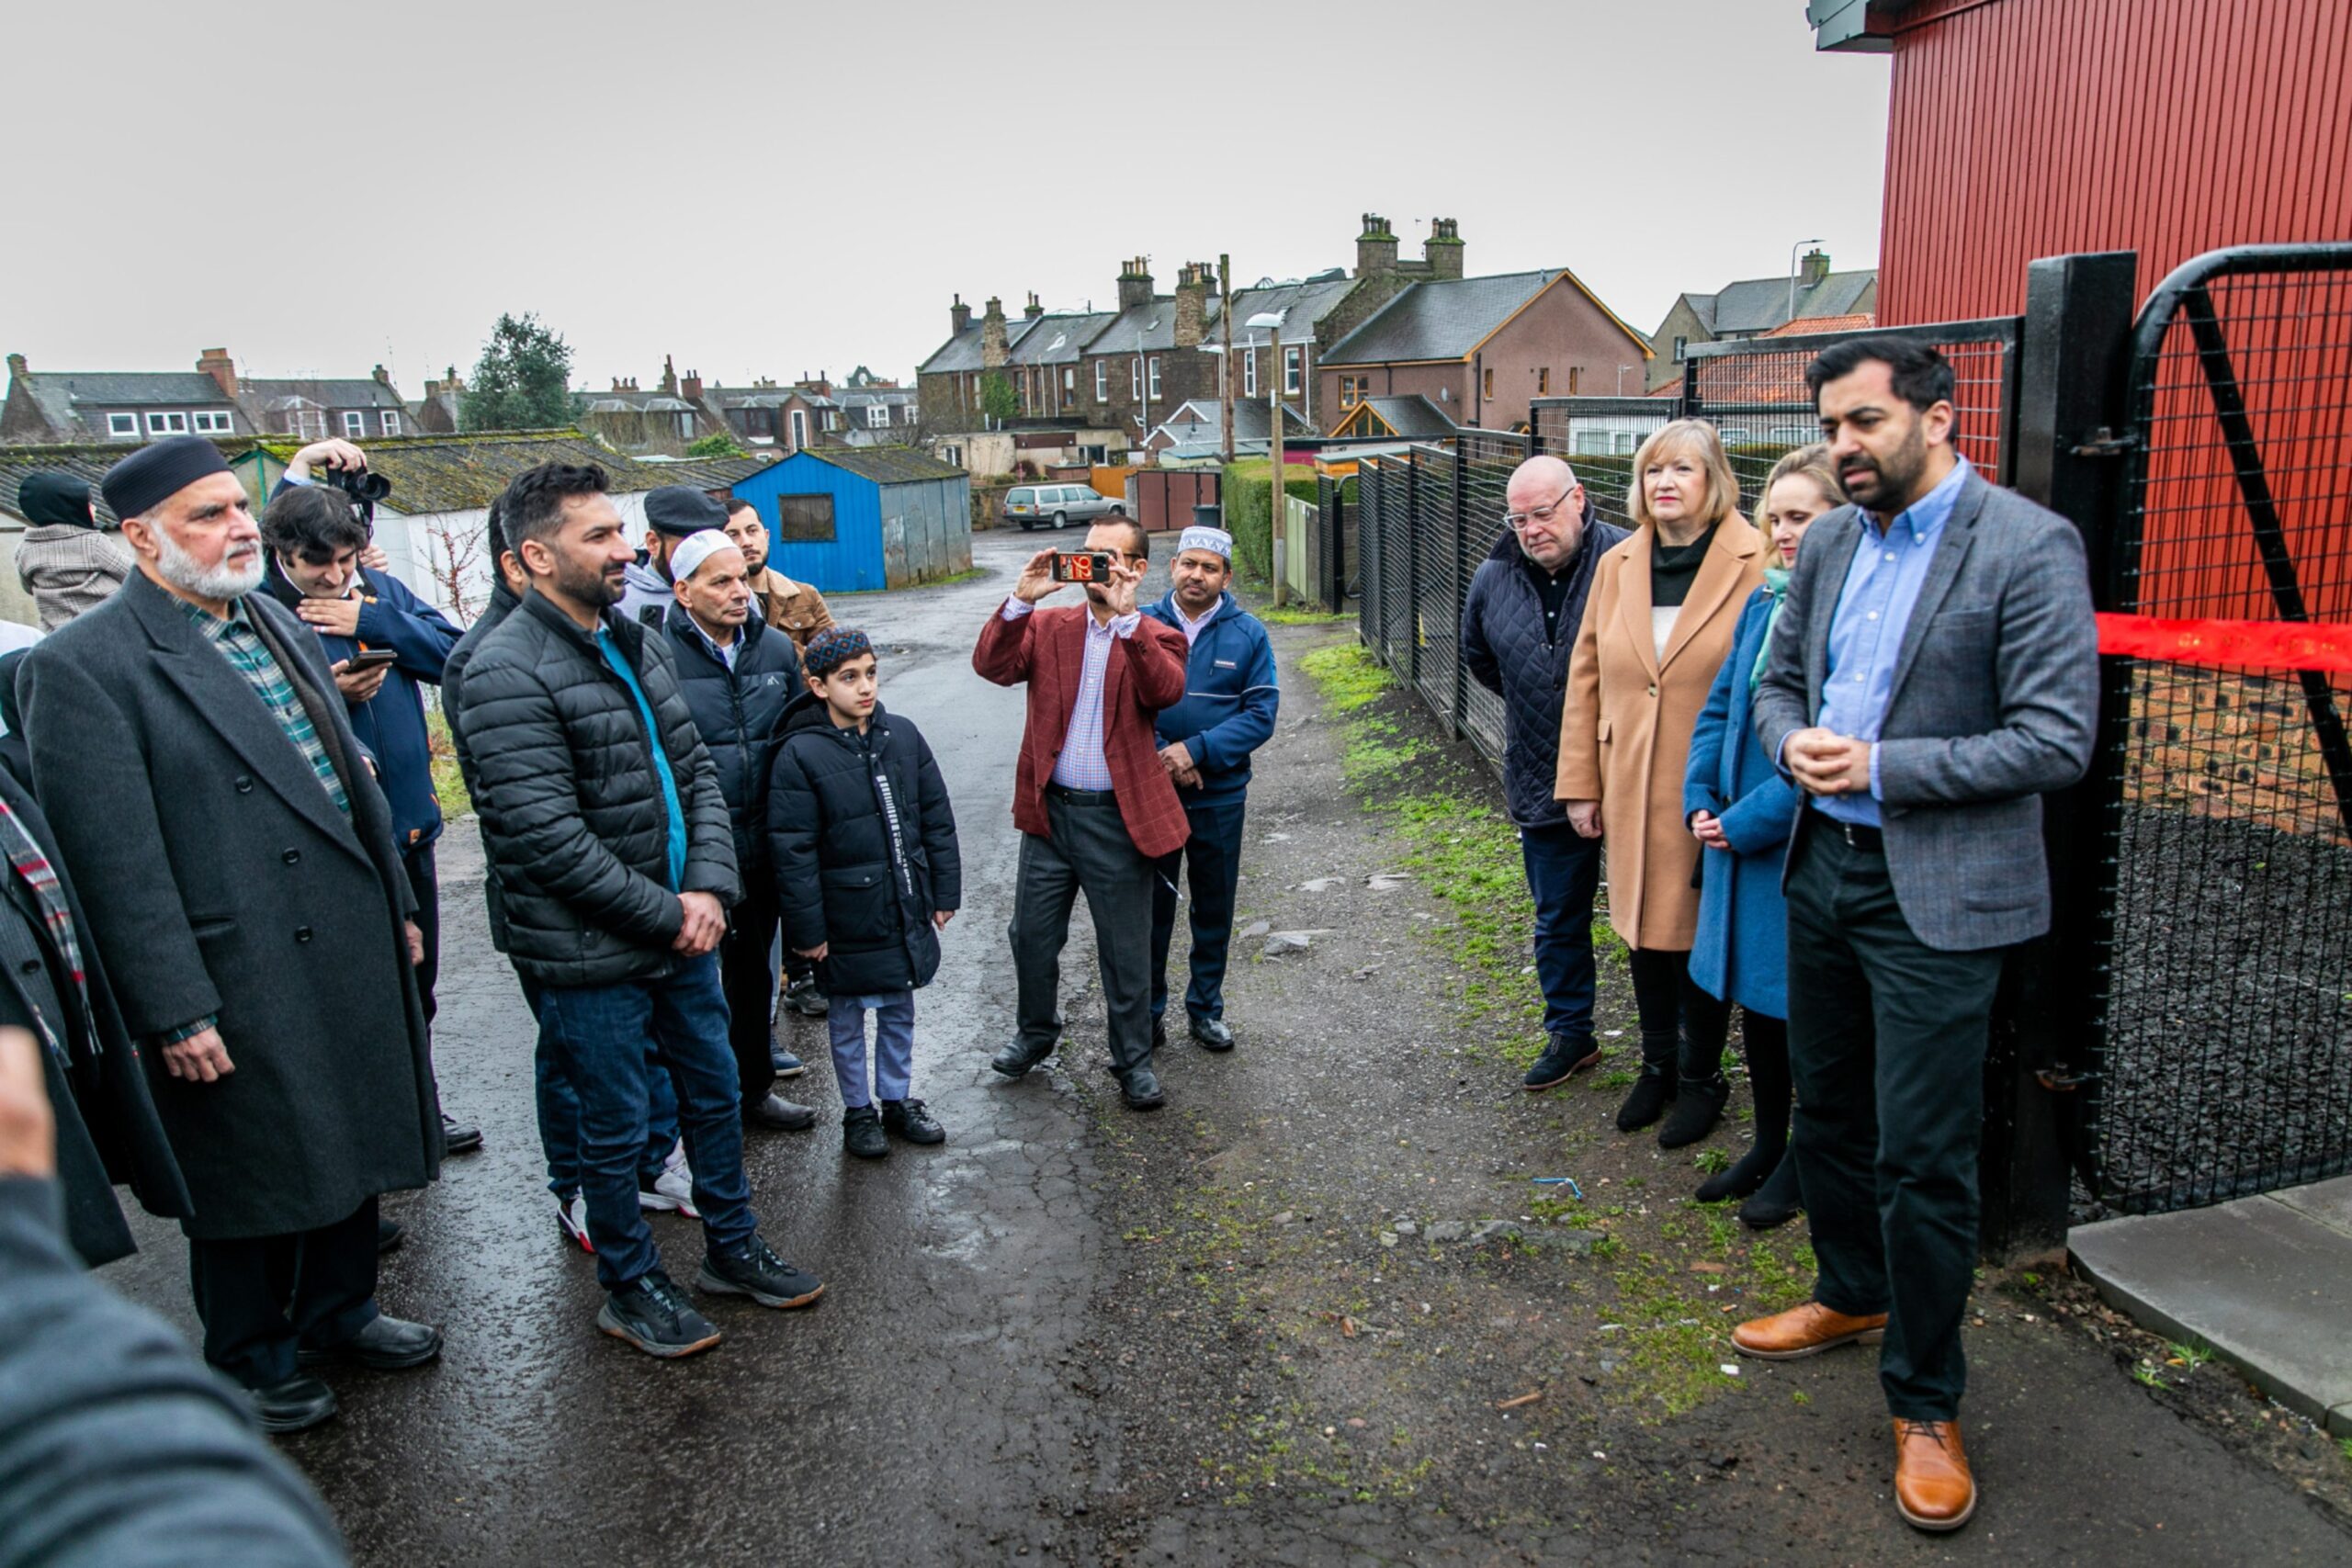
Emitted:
<point x="2020" y="129"/>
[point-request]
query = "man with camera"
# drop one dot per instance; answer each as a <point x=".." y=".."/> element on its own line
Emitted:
<point x="382" y="642"/>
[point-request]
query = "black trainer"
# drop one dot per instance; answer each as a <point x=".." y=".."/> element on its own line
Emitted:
<point x="1697" y="1108"/>
<point x="651" y="1314"/>
<point x="753" y="1269"/>
<point x="1564" y="1058"/>
<point x="803" y="997"/>
<point x="862" y="1132"/>
<point x="909" y="1119"/>
<point x="297" y="1404"/>
<point x="1647" y="1102"/>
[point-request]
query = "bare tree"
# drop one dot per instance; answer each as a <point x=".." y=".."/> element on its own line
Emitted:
<point x="456" y="553"/>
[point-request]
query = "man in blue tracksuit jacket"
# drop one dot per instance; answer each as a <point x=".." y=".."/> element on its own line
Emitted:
<point x="1230" y="699"/>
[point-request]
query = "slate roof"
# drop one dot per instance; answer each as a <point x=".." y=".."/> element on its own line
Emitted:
<point x="962" y="352"/>
<point x="702" y="473"/>
<point x="885" y="465"/>
<point x="1151" y="328"/>
<point x="1413" y="417"/>
<point x="86" y="460"/>
<point x="1760" y="304"/>
<point x="61" y="394"/>
<point x="1304" y="304"/>
<point x="1445" y="319"/>
<point x="278" y="391"/>
<point x="1201" y="419"/>
<point x="1061" y="338"/>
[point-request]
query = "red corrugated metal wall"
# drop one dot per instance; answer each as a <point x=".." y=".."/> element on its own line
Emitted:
<point x="2020" y="129"/>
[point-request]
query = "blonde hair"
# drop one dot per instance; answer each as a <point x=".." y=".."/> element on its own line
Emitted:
<point x="1805" y="463"/>
<point x="1685" y="435"/>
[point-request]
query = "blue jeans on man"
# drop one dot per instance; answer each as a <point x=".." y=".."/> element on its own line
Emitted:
<point x="1563" y="874"/>
<point x="1212" y="857"/>
<point x="598" y="1033"/>
<point x="558" y="1110"/>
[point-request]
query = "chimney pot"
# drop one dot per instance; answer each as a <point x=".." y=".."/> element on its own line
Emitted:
<point x="16" y="364"/>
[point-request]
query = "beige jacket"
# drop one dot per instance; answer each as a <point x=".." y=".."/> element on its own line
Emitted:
<point x="793" y="608"/>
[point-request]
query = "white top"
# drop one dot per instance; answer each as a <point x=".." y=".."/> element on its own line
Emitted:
<point x="1662" y="627"/>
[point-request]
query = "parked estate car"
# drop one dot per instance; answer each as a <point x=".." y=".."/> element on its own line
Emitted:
<point x="1059" y="506"/>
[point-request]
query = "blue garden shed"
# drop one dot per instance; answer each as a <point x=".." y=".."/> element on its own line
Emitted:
<point x="849" y="518"/>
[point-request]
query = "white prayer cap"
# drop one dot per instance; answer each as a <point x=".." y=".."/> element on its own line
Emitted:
<point x="693" y="549"/>
<point x="1215" y="540"/>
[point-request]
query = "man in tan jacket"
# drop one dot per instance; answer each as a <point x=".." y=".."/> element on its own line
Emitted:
<point x="793" y="608"/>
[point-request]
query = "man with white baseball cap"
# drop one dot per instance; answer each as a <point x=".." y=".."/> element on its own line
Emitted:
<point x="1230" y="699"/>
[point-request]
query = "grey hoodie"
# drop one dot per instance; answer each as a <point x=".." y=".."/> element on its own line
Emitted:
<point x="649" y="595"/>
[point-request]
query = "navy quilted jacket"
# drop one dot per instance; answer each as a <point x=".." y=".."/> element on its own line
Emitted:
<point x="1502" y="644"/>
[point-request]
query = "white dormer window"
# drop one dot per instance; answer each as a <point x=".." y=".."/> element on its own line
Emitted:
<point x="122" y="426"/>
<point x="210" y="422"/>
<point x="167" y="424"/>
<point x="878" y="416"/>
<point x="355" y="423"/>
<point x="391" y="423"/>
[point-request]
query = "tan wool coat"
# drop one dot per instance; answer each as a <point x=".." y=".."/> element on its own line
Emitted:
<point x="796" y="610"/>
<point x="1625" y="731"/>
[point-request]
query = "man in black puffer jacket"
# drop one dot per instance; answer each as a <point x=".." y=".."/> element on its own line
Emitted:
<point x="862" y="844"/>
<point x="739" y="677"/>
<point x="1519" y="624"/>
<point x="616" y="864"/>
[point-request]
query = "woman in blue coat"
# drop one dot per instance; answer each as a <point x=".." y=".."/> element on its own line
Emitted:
<point x="1742" y="812"/>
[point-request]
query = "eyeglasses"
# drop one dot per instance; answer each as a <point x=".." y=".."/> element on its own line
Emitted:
<point x="1516" y="521"/>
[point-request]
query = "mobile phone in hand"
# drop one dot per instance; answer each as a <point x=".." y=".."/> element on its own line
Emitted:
<point x="1082" y="566"/>
<point x="368" y="659"/>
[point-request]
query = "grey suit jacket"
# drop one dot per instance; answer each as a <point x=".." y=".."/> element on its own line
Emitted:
<point x="1995" y="696"/>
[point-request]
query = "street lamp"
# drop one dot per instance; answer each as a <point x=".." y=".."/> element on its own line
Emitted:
<point x="1272" y="322"/>
<point x="1793" y="275"/>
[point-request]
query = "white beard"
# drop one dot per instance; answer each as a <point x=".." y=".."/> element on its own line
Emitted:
<point x="234" y="578"/>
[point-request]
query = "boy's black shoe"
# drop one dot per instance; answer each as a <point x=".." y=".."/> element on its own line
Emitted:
<point x="1213" y="1034"/>
<point x="652" y="1314"/>
<point x="907" y="1119"/>
<point x="862" y="1132"/>
<point x="803" y="997"/>
<point x="1016" y="1059"/>
<point x="753" y="1269"/>
<point x="1562" y="1060"/>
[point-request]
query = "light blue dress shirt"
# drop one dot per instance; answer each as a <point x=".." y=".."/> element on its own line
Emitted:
<point x="1866" y="630"/>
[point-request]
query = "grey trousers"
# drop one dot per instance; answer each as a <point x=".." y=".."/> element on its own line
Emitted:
<point x="1089" y="852"/>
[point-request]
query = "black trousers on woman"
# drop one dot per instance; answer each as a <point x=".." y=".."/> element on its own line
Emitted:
<point x="1683" y="1028"/>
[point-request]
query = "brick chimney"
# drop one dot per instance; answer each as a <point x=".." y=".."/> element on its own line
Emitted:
<point x="669" y="377"/>
<point x="1443" y="249"/>
<point x="1135" y="284"/>
<point x="959" y="317"/>
<point x="1032" y="310"/>
<point x="691" y="387"/>
<point x="383" y="377"/>
<point x="216" y="363"/>
<point x="1815" y="266"/>
<point x="1375" y="247"/>
<point x="1192" y="303"/>
<point x="993" y="349"/>
<point x="17" y="366"/>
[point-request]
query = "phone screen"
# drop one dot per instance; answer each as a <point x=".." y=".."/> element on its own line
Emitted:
<point x="370" y="659"/>
<point x="1082" y="566"/>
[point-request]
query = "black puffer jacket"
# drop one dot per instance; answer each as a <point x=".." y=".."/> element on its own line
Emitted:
<point x="740" y="712"/>
<point x="862" y="846"/>
<point x="1503" y="647"/>
<point x="571" y="804"/>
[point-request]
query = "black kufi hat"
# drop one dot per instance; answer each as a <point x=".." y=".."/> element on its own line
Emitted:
<point x="159" y="472"/>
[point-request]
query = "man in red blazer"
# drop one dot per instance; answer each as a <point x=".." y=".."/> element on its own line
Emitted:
<point x="1094" y="803"/>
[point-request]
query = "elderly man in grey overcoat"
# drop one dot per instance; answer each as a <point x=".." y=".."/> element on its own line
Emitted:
<point x="236" y="859"/>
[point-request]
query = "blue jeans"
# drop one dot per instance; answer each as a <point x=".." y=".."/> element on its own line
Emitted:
<point x="1214" y="855"/>
<point x="559" y="1106"/>
<point x="1562" y="873"/>
<point x="598" y="1033"/>
<point x="894" y="1046"/>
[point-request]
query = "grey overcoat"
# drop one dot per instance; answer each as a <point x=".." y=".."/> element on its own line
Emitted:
<point x="219" y="878"/>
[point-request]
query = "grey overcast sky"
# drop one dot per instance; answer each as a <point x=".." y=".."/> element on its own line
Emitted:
<point x="780" y="189"/>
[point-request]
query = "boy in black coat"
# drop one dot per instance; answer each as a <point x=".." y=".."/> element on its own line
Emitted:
<point x="862" y="845"/>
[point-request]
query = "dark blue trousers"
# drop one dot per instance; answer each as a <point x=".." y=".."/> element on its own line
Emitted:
<point x="559" y="1108"/>
<point x="1563" y="874"/>
<point x="1212" y="854"/>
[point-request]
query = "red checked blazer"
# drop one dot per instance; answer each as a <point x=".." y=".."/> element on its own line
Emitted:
<point x="1145" y="674"/>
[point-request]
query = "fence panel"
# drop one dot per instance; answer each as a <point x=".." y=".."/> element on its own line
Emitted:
<point x="1436" y="580"/>
<point x="1598" y="438"/>
<point x="1485" y="460"/>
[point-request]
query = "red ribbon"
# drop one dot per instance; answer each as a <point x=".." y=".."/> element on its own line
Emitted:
<point x="2267" y="645"/>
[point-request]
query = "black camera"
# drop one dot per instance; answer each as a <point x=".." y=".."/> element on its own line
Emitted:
<point x="364" y="486"/>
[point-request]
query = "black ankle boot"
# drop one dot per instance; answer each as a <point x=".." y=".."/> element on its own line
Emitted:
<point x="1777" y="1202"/>
<point x="1745" y="1178"/>
<point x="1647" y="1102"/>
<point x="1697" y="1109"/>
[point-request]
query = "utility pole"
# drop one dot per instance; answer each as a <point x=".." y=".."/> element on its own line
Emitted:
<point x="1224" y="362"/>
<point x="1274" y="450"/>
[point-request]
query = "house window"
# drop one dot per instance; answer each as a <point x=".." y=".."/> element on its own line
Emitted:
<point x="122" y="426"/>
<point x="1102" y="381"/>
<point x="1134" y="377"/>
<point x="1595" y="442"/>
<point x="1069" y="383"/>
<point x="391" y="423"/>
<point x="1794" y="435"/>
<point x="1250" y="374"/>
<point x="685" y="427"/>
<point x="309" y="424"/>
<point x="1679" y="345"/>
<point x="1155" y="376"/>
<point x="1486" y="384"/>
<point x="799" y="429"/>
<point x="1543" y="380"/>
<point x="210" y="422"/>
<point x="832" y="419"/>
<point x="167" y="424"/>
<point x="354" y="422"/>
<point x="1354" y="389"/>
<point x="1576" y="376"/>
<point x="1293" y="364"/>
<point x="975" y="387"/>
<point x="1626" y="442"/>
<point x="878" y="416"/>
<point x="952" y="453"/>
<point x="804" y="519"/>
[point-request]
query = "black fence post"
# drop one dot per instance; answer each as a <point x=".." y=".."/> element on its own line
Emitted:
<point x="1460" y="586"/>
<point x="1412" y="575"/>
<point x="2070" y="420"/>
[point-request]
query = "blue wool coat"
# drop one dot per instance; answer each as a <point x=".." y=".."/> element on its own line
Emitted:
<point x="1741" y="951"/>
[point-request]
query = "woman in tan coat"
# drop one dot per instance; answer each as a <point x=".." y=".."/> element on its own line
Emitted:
<point x="1657" y="627"/>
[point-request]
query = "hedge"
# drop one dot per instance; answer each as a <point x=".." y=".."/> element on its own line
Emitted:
<point x="1247" y="517"/>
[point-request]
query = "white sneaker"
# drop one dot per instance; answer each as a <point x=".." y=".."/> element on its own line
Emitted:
<point x="572" y="1218"/>
<point x="673" y="1191"/>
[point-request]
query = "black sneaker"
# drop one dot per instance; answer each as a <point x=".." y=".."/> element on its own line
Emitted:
<point x="651" y="1314"/>
<point x="862" y="1132"/>
<point x="907" y="1119"/>
<point x="1646" y="1104"/>
<point x="803" y="997"/>
<point x="754" y="1271"/>
<point x="1562" y="1060"/>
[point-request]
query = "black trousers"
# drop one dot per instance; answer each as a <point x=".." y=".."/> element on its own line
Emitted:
<point x="1683" y="1028"/>
<point x="1886" y="1042"/>
<point x="750" y="985"/>
<point x="1090" y="853"/>
<point x="263" y="1298"/>
<point x="1212" y="854"/>
<point x="425" y="883"/>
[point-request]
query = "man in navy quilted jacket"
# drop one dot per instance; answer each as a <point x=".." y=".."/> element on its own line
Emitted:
<point x="1518" y="626"/>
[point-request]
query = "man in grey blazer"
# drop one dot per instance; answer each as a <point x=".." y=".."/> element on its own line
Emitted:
<point x="1934" y="673"/>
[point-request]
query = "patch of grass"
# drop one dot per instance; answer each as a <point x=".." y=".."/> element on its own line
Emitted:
<point x="1295" y="616"/>
<point x="2190" y="1355"/>
<point x="1348" y="676"/>
<point x="1714" y="1162"/>
<point x="448" y="784"/>
<point x="2145" y="1375"/>
<point x="2345" y="1444"/>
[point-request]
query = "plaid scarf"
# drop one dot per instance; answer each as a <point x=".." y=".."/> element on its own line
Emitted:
<point x="49" y="893"/>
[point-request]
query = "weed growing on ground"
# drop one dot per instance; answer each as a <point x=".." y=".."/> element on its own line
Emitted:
<point x="1293" y="615"/>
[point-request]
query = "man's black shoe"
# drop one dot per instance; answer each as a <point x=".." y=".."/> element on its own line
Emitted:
<point x="1563" y="1059"/>
<point x="458" y="1136"/>
<point x="1016" y="1059"/>
<point x="909" y="1119"/>
<point x="1646" y="1104"/>
<point x="862" y="1132"/>
<point x="803" y="997"/>
<point x="650" y="1312"/>
<point x="1697" y="1108"/>
<point x="297" y="1404"/>
<point x="781" y="1114"/>
<point x="387" y="1345"/>
<point x="389" y="1235"/>
<point x="786" y="1064"/>
<point x="754" y="1271"/>
<point x="1213" y="1034"/>
<point x="1141" y="1089"/>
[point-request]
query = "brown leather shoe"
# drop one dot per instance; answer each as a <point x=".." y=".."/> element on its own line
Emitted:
<point x="1933" y="1487"/>
<point x="1807" y="1330"/>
